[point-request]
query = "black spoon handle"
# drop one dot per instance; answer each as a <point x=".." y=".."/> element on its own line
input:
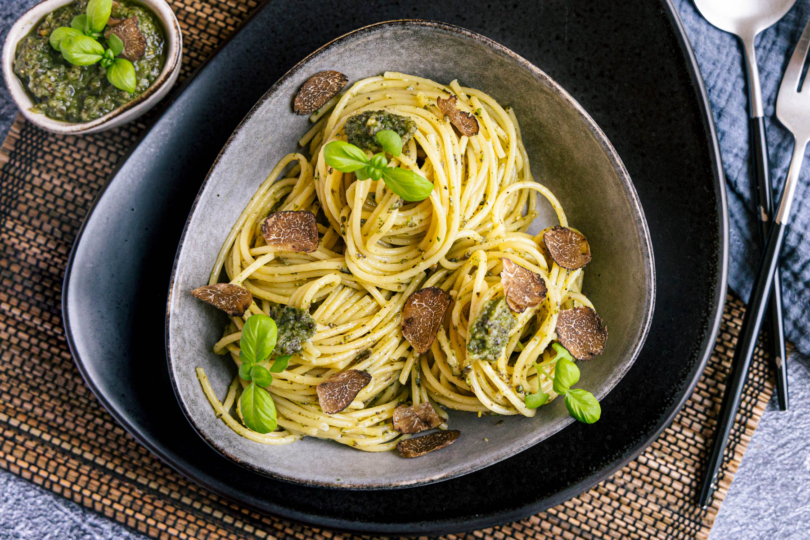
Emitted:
<point x="746" y="343"/>
<point x="776" y="330"/>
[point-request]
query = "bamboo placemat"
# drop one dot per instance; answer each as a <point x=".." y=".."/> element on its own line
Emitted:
<point x="57" y="435"/>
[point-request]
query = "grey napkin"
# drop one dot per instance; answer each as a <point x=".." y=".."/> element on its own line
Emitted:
<point x="721" y="63"/>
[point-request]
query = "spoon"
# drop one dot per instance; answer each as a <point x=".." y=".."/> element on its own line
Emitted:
<point x="746" y="19"/>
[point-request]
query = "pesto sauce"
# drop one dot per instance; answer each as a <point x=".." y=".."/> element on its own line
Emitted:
<point x="489" y="333"/>
<point x="294" y="325"/>
<point x="78" y="94"/>
<point x="361" y="128"/>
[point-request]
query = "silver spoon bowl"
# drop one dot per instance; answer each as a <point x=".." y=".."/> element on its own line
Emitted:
<point x="745" y="19"/>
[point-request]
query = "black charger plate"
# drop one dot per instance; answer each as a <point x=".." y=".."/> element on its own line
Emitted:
<point x="628" y="63"/>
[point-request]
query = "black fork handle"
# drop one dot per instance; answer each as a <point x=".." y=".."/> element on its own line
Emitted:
<point x="746" y="343"/>
<point x="775" y="325"/>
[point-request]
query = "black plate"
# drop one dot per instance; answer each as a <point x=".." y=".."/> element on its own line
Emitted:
<point x="628" y="63"/>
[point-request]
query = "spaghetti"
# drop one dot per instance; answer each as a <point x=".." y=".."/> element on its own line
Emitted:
<point x="376" y="250"/>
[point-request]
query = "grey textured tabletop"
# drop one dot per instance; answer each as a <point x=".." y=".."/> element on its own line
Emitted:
<point x="769" y="498"/>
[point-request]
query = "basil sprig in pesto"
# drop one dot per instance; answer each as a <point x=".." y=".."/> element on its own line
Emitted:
<point x="79" y="45"/>
<point x="349" y="158"/>
<point x="259" y="336"/>
<point x="581" y="404"/>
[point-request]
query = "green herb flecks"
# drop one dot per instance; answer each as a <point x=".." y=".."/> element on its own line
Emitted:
<point x="362" y="129"/>
<point x="489" y="333"/>
<point x="295" y="326"/>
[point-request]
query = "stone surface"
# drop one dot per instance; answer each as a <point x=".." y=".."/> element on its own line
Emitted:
<point x="770" y="495"/>
<point x="29" y="512"/>
<point x="10" y="11"/>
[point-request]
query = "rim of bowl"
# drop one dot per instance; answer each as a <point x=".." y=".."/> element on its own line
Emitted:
<point x="23" y="100"/>
<point x="617" y="165"/>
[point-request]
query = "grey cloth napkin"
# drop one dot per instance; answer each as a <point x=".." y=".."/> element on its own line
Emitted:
<point x="721" y="63"/>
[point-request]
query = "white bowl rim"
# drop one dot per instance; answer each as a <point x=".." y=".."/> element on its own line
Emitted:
<point x="23" y="100"/>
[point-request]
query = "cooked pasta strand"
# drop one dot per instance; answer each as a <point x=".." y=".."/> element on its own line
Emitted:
<point x="376" y="250"/>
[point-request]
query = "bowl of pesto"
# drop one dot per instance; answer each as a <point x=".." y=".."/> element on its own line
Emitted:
<point x="85" y="66"/>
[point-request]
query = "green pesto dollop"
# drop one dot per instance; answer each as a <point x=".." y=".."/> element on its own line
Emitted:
<point x="78" y="94"/>
<point x="295" y="326"/>
<point x="361" y="128"/>
<point x="490" y="331"/>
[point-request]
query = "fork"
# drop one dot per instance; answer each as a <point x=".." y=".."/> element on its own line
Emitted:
<point x="793" y="110"/>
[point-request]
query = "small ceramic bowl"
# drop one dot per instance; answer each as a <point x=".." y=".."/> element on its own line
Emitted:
<point x="569" y="154"/>
<point x="121" y="115"/>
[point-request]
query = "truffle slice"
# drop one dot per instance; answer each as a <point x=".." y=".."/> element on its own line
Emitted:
<point x="338" y="391"/>
<point x="291" y="231"/>
<point x="128" y="32"/>
<point x="318" y="89"/>
<point x="523" y="288"/>
<point x="232" y="299"/>
<point x="416" y="418"/>
<point x="465" y="122"/>
<point x="422" y="316"/>
<point x="567" y="247"/>
<point x="420" y="446"/>
<point x="581" y="331"/>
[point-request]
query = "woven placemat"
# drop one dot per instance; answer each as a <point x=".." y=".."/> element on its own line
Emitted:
<point x="57" y="435"/>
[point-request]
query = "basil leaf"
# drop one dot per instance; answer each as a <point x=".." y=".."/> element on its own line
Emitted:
<point x="583" y="406"/>
<point x="535" y="400"/>
<point x="244" y="370"/>
<point x="362" y="174"/>
<point x="374" y="173"/>
<point x="260" y="375"/>
<point x="121" y="74"/>
<point x="561" y="351"/>
<point x="116" y="45"/>
<point x="280" y="364"/>
<point x="98" y="13"/>
<point x="258" y="339"/>
<point x="566" y="375"/>
<point x="79" y="23"/>
<point x="407" y="184"/>
<point x="60" y="34"/>
<point x="390" y="141"/>
<point x="378" y="161"/>
<point x="258" y="409"/>
<point x="344" y="157"/>
<point x="81" y="50"/>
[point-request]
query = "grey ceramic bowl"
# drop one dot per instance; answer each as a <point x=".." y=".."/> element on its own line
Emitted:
<point x="569" y="154"/>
